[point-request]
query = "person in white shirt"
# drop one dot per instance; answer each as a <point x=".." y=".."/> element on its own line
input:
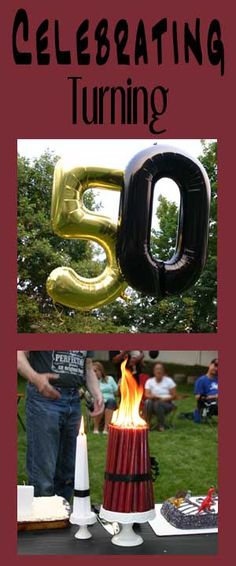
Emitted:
<point x="160" y="392"/>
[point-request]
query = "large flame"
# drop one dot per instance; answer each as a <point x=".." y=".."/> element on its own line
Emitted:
<point x="127" y="416"/>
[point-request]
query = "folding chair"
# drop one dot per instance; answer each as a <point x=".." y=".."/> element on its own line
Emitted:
<point x="206" y="409"/>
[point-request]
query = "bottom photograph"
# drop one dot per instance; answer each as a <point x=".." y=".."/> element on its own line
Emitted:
<point x="117" y="452"/>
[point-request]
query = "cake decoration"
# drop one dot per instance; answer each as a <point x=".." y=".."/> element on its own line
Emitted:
<point x="184" y="511"/>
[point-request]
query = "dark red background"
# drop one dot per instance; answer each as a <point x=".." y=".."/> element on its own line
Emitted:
<point x="36" y="104"/>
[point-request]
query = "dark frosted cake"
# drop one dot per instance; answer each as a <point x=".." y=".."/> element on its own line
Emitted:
<point x="187" y="512"/>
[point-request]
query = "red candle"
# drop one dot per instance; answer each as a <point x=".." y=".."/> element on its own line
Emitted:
<point x="128" y="483"/>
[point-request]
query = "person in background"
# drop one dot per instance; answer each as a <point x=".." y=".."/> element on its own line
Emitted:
<point x="108" y="388"/>
<point x="134" y="360"/>
<point x="206" y="390"/>
<point x="117" y="357"/>
<point x="53" y="414"/>
<point x="160" y="392"/>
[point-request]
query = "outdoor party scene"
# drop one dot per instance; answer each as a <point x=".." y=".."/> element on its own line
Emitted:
<point x="117" y="236"/>
<point x="117" y="452"/>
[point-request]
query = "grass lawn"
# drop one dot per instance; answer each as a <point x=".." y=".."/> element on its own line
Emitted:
<point x="187" y="454"/>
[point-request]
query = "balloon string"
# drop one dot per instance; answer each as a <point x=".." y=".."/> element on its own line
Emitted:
<point x="86" y="317"/>
<point x="125" y="297"/>
<point x="59" y="313"/>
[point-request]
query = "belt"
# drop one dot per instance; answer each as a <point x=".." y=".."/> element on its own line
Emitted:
<point x="66" y="388"/>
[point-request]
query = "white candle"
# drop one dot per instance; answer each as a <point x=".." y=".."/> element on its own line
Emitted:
<point x="25" y="496"/>
<point x="81" y="502"/>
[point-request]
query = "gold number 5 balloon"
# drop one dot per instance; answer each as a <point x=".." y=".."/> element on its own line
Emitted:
<point x="71" y="219"/>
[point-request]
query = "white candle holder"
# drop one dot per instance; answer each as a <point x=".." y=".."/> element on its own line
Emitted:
<point x="127" y="536"/>
<point x="83" y="522"/>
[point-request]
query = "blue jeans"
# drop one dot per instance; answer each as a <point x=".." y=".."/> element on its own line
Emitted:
<point x="52" y="428"/>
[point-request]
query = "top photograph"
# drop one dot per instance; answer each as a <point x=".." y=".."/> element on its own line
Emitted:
<point x="117" y="236"/>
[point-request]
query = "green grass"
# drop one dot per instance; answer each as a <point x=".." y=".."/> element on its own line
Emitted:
<point x="187" y="454"/>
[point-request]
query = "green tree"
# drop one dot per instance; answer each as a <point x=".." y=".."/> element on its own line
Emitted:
<point x="163" y="239"/>
<point x="196" y="309"/>
<point x="40" y="251"/>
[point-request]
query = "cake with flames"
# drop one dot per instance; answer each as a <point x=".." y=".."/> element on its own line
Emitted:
<point x="128" y="484"/>
<point x="187" y="512"/>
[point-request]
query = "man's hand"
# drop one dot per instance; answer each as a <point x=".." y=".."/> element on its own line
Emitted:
<point x="93" y="387"/>
<point x="41" y="382"/>
<point x="98" y="406"/>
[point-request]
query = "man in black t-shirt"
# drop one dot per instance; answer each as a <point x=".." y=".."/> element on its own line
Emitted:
<point x="53" y="414"/>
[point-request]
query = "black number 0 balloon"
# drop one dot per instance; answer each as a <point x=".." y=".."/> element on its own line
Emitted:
<point x="146" y="274"/>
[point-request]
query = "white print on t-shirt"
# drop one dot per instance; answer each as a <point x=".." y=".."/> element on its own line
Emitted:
<point x="214" y="386"/>
<point x="71" y="362"/>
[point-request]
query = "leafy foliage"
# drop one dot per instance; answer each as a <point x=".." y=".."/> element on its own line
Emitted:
<point x="40" y="251"/>
<point x="196" y="309"/>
